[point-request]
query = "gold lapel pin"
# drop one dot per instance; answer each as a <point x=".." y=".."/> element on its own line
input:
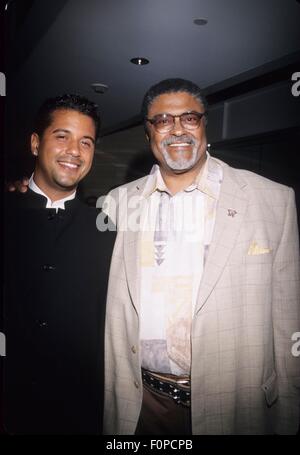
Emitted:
<point x="232" y="212"/>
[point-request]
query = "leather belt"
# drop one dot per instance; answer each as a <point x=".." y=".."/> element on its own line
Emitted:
<point x="178" y="389"/>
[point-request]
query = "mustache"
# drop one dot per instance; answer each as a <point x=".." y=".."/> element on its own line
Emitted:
<point x="178" y="139"/>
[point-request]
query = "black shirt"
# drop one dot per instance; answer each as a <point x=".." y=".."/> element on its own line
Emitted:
<point x="57" y="266"/>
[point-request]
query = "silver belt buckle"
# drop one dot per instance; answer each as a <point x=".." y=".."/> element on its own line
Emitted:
<point x="182" y="381"/>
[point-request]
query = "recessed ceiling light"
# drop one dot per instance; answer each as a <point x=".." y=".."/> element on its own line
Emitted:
<point x="99" y="88"/>
<point x="139" y="61"/>
<point x="200" y="21"/>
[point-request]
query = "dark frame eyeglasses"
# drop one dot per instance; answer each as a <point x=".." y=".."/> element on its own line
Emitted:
<point x="165" y="122"/>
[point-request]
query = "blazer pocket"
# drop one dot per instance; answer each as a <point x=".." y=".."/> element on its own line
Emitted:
<point x="270" y="388"/>
<point x="264" y="258"/>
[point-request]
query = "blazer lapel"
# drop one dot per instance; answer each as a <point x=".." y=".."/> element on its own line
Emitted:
<point x="132" y="244"/>
<point x="133" y="270"/>
<point x="230" y="214"/>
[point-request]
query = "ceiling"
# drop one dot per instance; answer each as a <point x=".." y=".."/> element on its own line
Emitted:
<point x="65" y="46"/>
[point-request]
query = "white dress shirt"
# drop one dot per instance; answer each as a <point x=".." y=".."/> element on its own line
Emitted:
<point x="59" y="204"/>
<point x="175" y="240"/>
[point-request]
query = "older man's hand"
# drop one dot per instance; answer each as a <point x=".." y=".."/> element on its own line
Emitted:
<point x="20" y="186"/>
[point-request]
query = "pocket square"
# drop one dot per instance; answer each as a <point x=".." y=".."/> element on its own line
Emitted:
<point x="255" y="249"/>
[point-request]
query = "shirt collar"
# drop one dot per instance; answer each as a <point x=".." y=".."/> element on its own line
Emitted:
<point x="210" y="174"/>
<point x="60" y="204"/>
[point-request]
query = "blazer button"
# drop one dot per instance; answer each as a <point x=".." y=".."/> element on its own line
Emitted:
<point x="51" y="216"/>
<point x="42" y="324"/>
<point x="137" y="385"/>
<point x="133" y="349"/>
<point x="48" y="268"/>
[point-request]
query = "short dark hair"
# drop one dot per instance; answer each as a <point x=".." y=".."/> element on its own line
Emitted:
<point x="69" y="102"/>
<point x="172" y="86"/>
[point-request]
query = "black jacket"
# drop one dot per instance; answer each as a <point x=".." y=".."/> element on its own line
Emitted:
<point x="57" y="267"/>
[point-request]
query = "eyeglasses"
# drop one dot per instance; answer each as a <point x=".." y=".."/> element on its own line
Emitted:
<point x="165" y="122"/>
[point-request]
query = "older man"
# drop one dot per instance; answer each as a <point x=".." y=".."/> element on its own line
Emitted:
<point x="203" y="298"/>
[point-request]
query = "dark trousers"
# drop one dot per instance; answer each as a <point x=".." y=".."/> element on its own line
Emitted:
<point x="160" y="415"/>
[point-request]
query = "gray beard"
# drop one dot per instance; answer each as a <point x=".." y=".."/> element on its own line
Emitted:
<point x="181" y="163"/>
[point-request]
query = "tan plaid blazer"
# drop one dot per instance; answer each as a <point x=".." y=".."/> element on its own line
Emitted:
<point x="244" y="377"/>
